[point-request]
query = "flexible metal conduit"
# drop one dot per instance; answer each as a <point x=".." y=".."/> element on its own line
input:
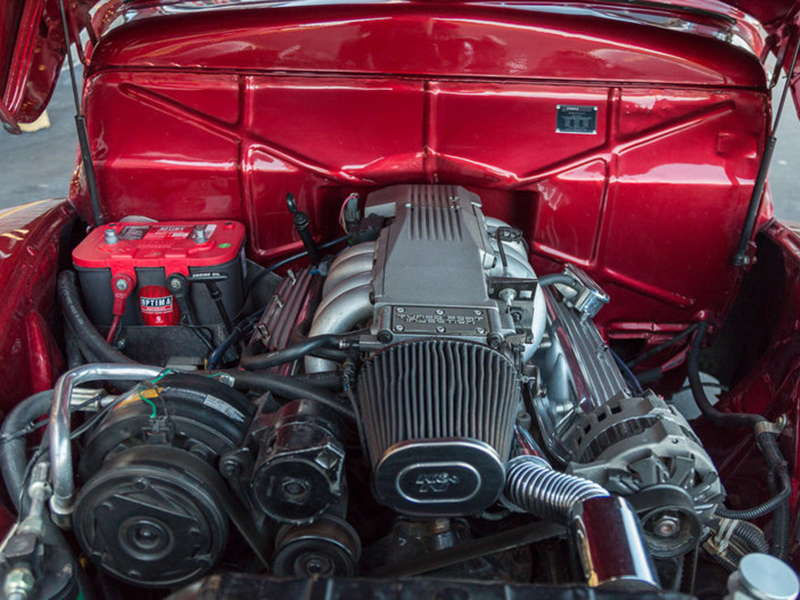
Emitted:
<point x="604" y="531"/>
<point x="59" y="430"/>
<point x="533" y="485"/>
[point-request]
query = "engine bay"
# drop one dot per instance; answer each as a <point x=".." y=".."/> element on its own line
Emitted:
<point x="409" y="399"/>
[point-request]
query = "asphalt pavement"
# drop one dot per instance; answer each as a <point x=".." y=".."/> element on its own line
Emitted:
<point x="37" y="166"/>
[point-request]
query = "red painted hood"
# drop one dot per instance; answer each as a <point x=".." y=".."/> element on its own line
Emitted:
<point x="32" y="45"/>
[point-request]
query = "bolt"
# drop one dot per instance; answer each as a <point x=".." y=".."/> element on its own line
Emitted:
<point x="19" y="583"/>
<point x="229" y="467"/>
<point x="400" y="310"/>
<point x="385" y="336"/>
<point x="495" y="340"/>
<point x="294" y="488"/>
<point x="174" y="284"/>
<point x="121" y="285"/>
<point x="295" y="491"/>
<point x="399" y="328"/>
<point x="478" y="313"/>
<point x="480" y="331"/>
<point x="439" y="311"/>
<point x="508" y="295"/>
<point x="440" y="329"/>
<point x="200" y="235"/>
<point x="667" y="525"/>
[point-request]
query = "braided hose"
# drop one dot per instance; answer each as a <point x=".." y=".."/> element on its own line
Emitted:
<point x="533" y="485"/>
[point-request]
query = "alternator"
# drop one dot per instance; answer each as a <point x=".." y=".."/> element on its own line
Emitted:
<point x="645" y="449"/>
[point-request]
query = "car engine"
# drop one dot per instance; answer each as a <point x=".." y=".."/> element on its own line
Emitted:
<point x="392" y="401"/>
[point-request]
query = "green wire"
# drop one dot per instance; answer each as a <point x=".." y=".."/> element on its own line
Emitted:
<point x="153" y="381"/>
<point x="163" y="374"/>
<point x="151" y="403"/>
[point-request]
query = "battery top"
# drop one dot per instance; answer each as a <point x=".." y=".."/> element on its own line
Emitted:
<point x="174" y="245"/>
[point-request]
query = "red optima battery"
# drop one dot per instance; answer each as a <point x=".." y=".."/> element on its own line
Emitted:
<point x="180" y="269"/>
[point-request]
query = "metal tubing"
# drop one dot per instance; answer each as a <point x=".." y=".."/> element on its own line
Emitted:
<point x="539" y="321"/>
<point x="59" y="430"/>
<point x="607" y="538"/>
<point x="362" y="248"/>
<point x="515" y="249"/>
<point x="354" y="265"/>
<point x="340" y="316"/>
<point x="516" y="268"/>
<point x="343" y="287"/>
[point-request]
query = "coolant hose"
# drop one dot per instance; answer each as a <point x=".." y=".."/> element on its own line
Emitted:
<point x="256" y="362"/>
<point x="87" y="336"/>
<point x="13" y="458"/>
<point x="291" y="388"/>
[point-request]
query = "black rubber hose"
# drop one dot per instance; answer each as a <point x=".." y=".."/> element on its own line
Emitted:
<point x="501" y="248"/>
<point x="57" y="548"/>
<point x="557" y="278"/>
<point x="291" y="388"/>
<point x="84" y="354"/>
<point x="72" y="349"/>
<point x="727" y="562"/>
<point x="768" y="444"/>
<point x="88" y="338"/>
<point x="661" y="347"/>
<point x="13" y="457"/>
<point x="751" y="537"/>
<point x="781" y="531"/>
<point x="328" y="380"/>
<point x="256" y="362"/>
<point x="717" y="417"/>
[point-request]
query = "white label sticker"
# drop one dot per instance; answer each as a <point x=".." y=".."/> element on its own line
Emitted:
<point x="223" y="407"/>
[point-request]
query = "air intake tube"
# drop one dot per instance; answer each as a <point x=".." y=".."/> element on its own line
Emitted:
<point x="604" y="531"/>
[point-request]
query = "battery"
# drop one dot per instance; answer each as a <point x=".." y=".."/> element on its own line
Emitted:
<point x="207" y="257"/>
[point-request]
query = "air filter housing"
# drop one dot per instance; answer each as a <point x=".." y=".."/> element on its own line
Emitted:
<point x="438" y="420"/>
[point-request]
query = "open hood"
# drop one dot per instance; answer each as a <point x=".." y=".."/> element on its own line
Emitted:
<point x="32" y="47"/>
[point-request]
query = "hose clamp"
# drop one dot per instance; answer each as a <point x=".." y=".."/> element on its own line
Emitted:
<point x="766" y="426"/>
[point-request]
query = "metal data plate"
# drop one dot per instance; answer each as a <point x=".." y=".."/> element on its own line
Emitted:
<point x="432" y="320"/>
<point x="576" y="119"/>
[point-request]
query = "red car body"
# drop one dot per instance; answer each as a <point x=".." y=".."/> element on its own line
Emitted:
<point x="215" y="110"/>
